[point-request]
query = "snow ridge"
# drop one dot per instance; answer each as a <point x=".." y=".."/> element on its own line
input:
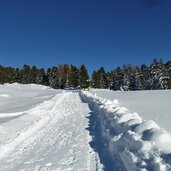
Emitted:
<point x="140" y="145"/>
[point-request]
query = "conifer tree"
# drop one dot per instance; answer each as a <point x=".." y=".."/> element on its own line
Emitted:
<point x="163" y="76"/>
<point x="159" y="76"/>
<point x="95" y="83"/>
<point x="25" y="74"/>
<point x="168" y="69"/>
<point x="102" y="78"/>
<point x="53" y="77"/>
<point x="144" y="77"/>
<point x="17" y="74"/>
<point x="33" y="74"/>
<point x="119" y="79"/>
<point x="9" y="75"/>
<point x="40" y="76"/>
<point x="74" y="77"/>
<point x="2" y="75"/>
<point x="83" y="77"/>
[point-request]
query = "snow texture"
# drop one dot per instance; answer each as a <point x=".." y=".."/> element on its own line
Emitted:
<point x="150" y="104"/>
<point x="139" y="144"/>
<point x="50" y="136"/>
<point x="42" y="129"/>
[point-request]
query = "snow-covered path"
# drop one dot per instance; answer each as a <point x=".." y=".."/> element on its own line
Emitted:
<point x="42" y="129"/>
<point x="58" y="140"/>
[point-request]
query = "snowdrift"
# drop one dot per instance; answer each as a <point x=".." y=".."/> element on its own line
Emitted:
<point x="140" y="145"/>
<point x="149" y="104"/>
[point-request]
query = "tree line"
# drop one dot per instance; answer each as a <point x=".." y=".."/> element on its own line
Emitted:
<point x="60" y="77"/>
<point x="129" y="77"/>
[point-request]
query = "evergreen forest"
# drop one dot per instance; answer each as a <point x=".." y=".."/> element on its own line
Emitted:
<point x="128" y="77"/>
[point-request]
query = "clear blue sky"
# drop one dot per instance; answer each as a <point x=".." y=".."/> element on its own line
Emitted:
<point x="94" y="32"/>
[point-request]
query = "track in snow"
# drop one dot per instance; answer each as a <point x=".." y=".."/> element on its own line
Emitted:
<point x="58" y="140"/>
<point x="99" y="143"/>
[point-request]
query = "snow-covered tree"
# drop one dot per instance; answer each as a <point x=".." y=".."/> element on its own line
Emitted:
<point x="119" y="79"/>
<point x="40" y="76"/>
<point x="159" y="77"/>
<point x="53" y="77"/>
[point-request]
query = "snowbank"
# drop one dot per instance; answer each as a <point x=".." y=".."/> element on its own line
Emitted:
<point x="150" y="104"/>
<point x="27" y="86"/>
<point x="141" y="145"/>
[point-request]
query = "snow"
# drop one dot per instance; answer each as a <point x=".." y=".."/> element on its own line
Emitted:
<point x="17" y="98"/>
<point x="139" y="144"/>
<point x="50" y="135"/>
<point x="42" y="129"/>
<point x="146" y="125"/>
<point x="150" y="105"/>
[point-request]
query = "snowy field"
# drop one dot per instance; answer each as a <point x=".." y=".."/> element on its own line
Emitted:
<point x="18" y="98"/>
<point x="150" y="105"/>
<point x="42" y="129"/>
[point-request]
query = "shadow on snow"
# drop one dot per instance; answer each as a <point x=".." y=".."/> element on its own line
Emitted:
<point x="100" y="145"/>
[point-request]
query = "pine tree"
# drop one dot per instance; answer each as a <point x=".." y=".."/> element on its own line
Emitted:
<point x="133" y="78"/>
<point x="74" y="77"/>
<point x="163" y="76"/>
<point x="138" y="83"/>
<point x="111" y="79"/>
<point x="66" y="74"/>
<point x="145" y="77"/>
<point x="33" y="74"/>
<point x="83" y="77"/>
<point x="102" y="78"/>
<point x="159" y="75"/>
<point x="119" y="79"/>
<point x="127" y="77"/>
<point x="168" y="70"/>
<point x="99" y="79"/>
<point x="2" y="75"/>
<point x="53" y="77"/>
<point x="17" y="74"/>
<point x="95" y="83"/>
<point x="24" y="75"/>
<point x="9" y="75"/>
<point x="40" y="76"/>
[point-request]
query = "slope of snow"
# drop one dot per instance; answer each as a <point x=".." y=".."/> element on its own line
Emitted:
<point x="150" y="105"/>
<point x="139" y="144"/>
<point x="18" y="98"/>
<point x="51" y="135"/>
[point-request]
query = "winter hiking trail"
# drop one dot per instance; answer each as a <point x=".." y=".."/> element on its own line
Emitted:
<point x="79" y="131"/>
<point x="58" y="140"/>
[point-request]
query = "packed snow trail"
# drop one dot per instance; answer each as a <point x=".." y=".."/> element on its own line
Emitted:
<point x="57" y="141"/>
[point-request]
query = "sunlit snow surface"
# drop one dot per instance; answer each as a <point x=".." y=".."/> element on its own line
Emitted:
<point x="140" y="144"/>
<point x="42" y="129"/>
<point x="150" y="105"/>
<point x="17" y="98"/>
